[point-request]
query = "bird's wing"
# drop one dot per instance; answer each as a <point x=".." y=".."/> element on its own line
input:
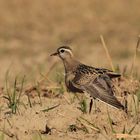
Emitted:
<point x="99" y="87"/>
<point x="110" y="73"/>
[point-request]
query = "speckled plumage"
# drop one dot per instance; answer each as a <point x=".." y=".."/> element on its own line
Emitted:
<point x="82" y="78"/>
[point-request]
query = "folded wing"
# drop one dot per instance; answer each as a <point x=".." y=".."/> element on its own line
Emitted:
<point x="100" y="88"/>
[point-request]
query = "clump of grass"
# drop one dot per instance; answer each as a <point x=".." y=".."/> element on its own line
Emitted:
<point x="83" y="106"/>
<point x="13" y="94"/>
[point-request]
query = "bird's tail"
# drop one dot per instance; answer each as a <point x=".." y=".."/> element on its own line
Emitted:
<point x="104" y="97"/>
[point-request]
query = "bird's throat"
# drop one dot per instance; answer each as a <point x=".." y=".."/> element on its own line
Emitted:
<point x="70" y="64"/>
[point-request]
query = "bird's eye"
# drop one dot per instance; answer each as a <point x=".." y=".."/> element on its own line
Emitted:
<point x="62" y="51"/>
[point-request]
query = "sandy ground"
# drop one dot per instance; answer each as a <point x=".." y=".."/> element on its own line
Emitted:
<point x="57" y="115"/>
<point x="31" y="31"/>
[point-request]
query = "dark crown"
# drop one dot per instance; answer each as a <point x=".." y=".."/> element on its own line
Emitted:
<point x="64" y="47"/>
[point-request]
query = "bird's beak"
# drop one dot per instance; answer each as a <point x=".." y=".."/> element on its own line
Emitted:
<point x="54" y="54"/>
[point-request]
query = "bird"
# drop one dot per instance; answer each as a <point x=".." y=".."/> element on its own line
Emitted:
<point x="84" y="78"/>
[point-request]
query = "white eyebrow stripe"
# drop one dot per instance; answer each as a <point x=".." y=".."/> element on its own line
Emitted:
<point x="67" y="50"/>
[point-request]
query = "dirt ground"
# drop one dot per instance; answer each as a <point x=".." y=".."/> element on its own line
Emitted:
<point x="29" y="32"/>
<point x="54" y="114"/>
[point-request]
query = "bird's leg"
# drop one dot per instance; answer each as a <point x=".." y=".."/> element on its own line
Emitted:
<point x="95" y="104"/>
<point x="90" y="105"/>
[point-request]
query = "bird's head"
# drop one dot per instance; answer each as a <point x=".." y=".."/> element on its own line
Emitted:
<point x="63" y="52"/>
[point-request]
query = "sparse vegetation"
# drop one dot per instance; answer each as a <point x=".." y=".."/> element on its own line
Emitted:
<point x="43" y="109"/>
<point x="83" y="106"/>
<point x="13" y="94"/>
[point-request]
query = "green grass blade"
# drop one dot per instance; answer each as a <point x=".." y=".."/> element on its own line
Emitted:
<point x="39" y="93"/>
<point x="91" y="124"/>
<point x="14" y="96"/>
<point x="124" y="130"/>
<point x="110" y="122"/>
<point x="132" y="129"/>
<point x="21" y="88"/>
<point x="135" y="109"/>
<point x="29" y="101"/>
<point x="50" y="108"/>
<point x="83" y="106"/>
<point x="7" y="88"/>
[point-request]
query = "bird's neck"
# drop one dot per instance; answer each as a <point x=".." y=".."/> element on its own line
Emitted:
<point x="70" y="64"/>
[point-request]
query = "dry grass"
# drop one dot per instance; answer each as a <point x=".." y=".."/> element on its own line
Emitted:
<point x="37" y="106"/>
<point x="107" y="53"/>
<point x="135" y="56"/>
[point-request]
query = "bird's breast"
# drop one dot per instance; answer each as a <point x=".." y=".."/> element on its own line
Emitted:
<point x="69" y="84"/>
